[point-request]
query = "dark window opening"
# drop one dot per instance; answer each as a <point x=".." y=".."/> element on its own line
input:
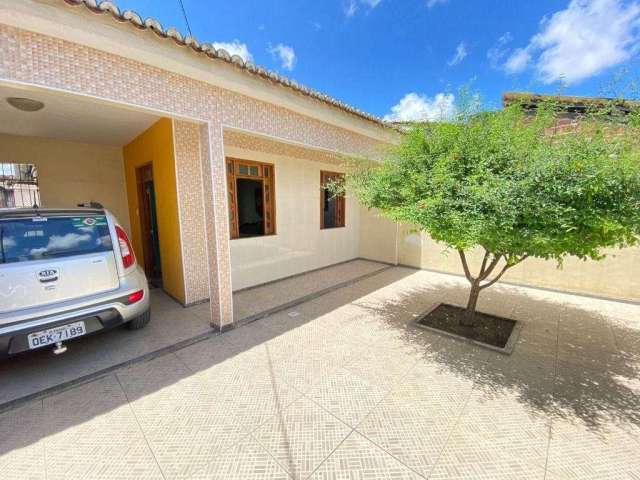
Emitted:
<point x="250" y="186"/>
<point x="332" y="206"/>
<point x="330" y="211"/>
<point x="250" y="207"/>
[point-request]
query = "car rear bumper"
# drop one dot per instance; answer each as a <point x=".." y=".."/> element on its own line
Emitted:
<point x="16" y="341"/>
<point x="101" y="316"/>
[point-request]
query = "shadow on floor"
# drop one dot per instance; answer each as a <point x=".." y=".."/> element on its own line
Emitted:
<point x="33" y="372"/>
<point x="37" y="371"/>
<point x="569" y="362"/>
<point x="592" y="360"/>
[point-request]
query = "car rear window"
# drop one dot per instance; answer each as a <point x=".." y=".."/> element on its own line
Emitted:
<point x="26" y="239"/>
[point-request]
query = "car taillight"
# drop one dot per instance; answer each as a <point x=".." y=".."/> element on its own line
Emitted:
<point x="135" y="297"/>
<point x="128" y="258"/>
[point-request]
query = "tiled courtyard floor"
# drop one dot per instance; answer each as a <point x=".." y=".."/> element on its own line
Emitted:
<point x="346" y="387"/>
<point x="30" y="374"/>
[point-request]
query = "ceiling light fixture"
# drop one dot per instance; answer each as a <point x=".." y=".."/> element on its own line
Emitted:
<point x="25" y="104"/>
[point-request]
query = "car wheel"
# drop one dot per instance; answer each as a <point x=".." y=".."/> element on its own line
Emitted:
<point x="140" y="321"/>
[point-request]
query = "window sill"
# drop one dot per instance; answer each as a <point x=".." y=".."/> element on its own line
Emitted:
<point x="254" y="236"/>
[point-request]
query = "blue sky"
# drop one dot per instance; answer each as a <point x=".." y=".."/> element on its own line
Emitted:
<point x="406" y="59"/>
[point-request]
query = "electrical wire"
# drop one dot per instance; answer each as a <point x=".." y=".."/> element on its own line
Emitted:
<point x="184" y="14"/>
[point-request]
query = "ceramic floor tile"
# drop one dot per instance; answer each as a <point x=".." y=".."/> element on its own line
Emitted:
<point x="580" y="452"/>
<point x="346" y="396"/>
<point x="93" y="433"/>
<point x="247" y="460"/>
<point x="302" y="437"/>
<point x="22" y="440"/>
<point x="358" y="458"/>
<point x="410" y="434"/>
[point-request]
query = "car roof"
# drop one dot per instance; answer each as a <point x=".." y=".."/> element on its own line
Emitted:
<point x="48" y="212"/>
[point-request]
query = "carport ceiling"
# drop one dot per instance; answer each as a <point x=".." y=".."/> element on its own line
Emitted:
<point x="71" y="118"/>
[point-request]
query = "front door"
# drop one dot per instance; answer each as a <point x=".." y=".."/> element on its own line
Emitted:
<point x="149" y="225"/>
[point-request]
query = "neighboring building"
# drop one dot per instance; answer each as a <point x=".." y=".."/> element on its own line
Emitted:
<point x="214" y="166"/>
<point x="18" y="185"/>
<point x="573" y="107"/>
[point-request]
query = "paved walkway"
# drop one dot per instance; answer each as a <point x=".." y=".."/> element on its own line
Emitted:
<point x="171" y="324"/>
<point x="345" y="387"/>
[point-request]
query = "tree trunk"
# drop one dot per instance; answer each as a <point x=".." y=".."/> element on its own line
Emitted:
<point x="468" y="317"/>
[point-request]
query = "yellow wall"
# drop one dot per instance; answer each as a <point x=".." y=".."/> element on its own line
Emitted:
<point x="155" y="146"/>
<point x="70" y="173"/>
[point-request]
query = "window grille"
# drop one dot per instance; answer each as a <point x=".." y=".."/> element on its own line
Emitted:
<point x="19" y="185"/>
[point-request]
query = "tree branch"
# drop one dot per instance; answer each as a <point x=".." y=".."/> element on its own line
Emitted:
<point x="484" y="263"/>
<point x="492" y="265"/>
<point x="465" y="266"/>
<point x="496" y="278"/>
<point x="507" y="266"/>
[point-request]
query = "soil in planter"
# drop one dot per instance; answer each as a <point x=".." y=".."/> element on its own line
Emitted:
<point x="487" y="329"/>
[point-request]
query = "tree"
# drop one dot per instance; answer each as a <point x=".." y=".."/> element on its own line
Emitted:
<point x="514" y="185"/>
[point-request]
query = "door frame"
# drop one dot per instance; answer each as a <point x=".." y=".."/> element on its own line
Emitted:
<point x="144" y="215"/>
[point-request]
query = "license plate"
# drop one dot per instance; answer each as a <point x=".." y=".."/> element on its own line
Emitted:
<point x="58" y="334"/>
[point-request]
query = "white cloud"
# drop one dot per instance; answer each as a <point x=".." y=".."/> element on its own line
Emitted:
<point x="461" y="53"/>
<point x="235" y="48"/>
<point x="586" y="38"/>
<point x="58" y="243"/>
<point x="518" y="60"/>
<point x="351" y="6"/>
<point x="417" y="107"/>
<point x="8" y="242"/>
<point x="499" y="51"/>
<point x="285" y="54"/>
<point x="433" y="3"/>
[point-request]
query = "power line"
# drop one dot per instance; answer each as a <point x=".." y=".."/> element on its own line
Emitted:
<point x="184" y="14"/>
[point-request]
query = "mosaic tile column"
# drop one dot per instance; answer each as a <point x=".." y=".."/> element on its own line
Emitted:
<point x="191" y="206"/>
<point x="216" y="225"/>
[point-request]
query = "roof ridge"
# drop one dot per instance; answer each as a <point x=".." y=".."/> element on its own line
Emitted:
<point x="130" y="16"/>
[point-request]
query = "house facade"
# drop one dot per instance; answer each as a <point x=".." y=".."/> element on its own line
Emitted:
<point x="213" y="165"/>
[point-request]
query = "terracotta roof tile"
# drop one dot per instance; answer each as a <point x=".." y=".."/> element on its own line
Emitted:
<point x="131" y="17"/>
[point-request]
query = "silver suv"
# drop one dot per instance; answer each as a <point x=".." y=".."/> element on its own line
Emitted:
<point x="65" y="274"/>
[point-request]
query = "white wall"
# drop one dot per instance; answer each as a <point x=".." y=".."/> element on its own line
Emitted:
<point x="299" y="244"/>
<point x="617" y="276"/>
<point x="377" y="237"/>
<point x="70" y="173"/>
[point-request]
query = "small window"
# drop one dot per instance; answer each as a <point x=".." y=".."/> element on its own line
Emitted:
<point x="251" y="202"/>
<point x="332" y="207"/>
<point x="19" y="185"/>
